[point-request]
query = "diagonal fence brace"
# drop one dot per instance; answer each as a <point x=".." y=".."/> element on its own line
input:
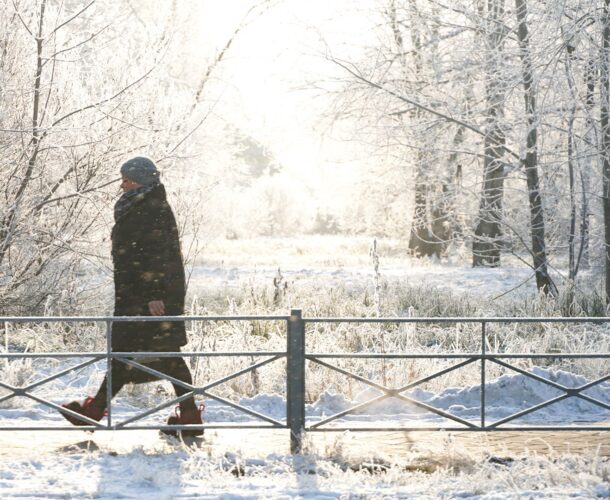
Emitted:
<point x="391" y="393"/>
<point x="193" y="390"/>
<point x="25" y="391"/>
<point x="567" y="392"/>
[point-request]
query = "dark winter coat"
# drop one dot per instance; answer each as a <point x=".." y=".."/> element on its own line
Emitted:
<point x="147" y="266"/>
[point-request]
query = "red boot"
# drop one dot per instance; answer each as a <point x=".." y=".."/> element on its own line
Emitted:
<point x="88" y="409"/>
<point x="186" y="417"/>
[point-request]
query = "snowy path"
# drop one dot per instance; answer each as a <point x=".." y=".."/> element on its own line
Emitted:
<point x="255" y="464"/>
<point x="396" y="447"/>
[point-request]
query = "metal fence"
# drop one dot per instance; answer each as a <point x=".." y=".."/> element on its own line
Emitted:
<point x="296" y="357"/>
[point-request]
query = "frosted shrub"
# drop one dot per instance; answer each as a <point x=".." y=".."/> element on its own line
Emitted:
<point x="430" y="302"/>
<point x="17" y="373"/>
<point x="573" y="301"/>
<point x="397" y="300"/>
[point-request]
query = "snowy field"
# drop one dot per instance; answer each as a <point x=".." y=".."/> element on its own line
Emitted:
<point x="159" y="468"/>
<point x="226" y="265"/>
<point x="464" y="280"/>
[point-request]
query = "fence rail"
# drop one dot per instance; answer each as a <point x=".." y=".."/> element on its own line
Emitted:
<point x="296" y="356"/>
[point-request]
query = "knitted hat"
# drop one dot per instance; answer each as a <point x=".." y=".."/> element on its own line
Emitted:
<point x="140" y="170"/>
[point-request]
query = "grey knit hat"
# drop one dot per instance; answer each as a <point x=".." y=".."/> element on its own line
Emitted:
<point x="140" y="170"/>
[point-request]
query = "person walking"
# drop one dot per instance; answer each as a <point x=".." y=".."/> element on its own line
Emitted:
<point x="148" y="281"/>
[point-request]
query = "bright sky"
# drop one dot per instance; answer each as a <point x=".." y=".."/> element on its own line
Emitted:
<point x="269" y="70"/>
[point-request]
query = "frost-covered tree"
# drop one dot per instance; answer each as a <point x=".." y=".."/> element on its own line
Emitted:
<point x="498" y="119"/>
<point x="530" y="164"/>
<point x="605" y="133"/>
<point x="487" y="237"/>
<point x="84" y="85"/>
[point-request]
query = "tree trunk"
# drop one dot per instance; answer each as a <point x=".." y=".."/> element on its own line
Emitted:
<point x="486" y="244"/>
<point x="605" y="131"/>
<point x="572" y="260"/>
<point x="430" y="227"/>
<point x="7" y="222"/>
<point x="543" y="280"/>
<point x="588" y="164"/>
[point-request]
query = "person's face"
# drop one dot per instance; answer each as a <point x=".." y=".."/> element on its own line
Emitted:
<point x="127" y="184"/>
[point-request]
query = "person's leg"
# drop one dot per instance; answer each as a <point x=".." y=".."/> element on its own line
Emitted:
<point x="178" y="369"/>
<point x="123" y="374"/>
<point x="120" y="377"/>
<point x="188" y="413"/>
<point x="95" y="408"/>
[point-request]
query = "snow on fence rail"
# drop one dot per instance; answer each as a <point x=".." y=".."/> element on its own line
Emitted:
<point x="296" y="356"/>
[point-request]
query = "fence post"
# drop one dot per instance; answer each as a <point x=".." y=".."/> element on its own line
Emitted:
<point x="109" y="325"/>
<point x="295" y="379"/>
<point x="483" y="382"/>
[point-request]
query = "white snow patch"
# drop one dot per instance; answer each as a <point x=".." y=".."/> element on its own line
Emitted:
<point x="505" y="395"/>
<point x="464" y="280"/>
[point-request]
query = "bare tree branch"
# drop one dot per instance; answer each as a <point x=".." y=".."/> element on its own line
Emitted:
<point x="103" y="101"/>
<point x="79" y="44"/>
<point x="22" y="21"/>
<point x="418" y="105"/>
<point x="68" y="196"/>
<point x="70" y="19"/>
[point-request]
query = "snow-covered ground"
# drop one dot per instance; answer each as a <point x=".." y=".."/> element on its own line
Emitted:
<point x="171" y="470"/>
<point x="227" y="266"/>
<point x="165" y="469"/>
<point x="177" y="472"/>
<point x="477" y="282"/>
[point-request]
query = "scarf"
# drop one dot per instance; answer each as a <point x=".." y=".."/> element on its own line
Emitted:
<point x="127" y="201"/>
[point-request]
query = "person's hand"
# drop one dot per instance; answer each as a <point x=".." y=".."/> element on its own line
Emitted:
<point x="156" y="307"/>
